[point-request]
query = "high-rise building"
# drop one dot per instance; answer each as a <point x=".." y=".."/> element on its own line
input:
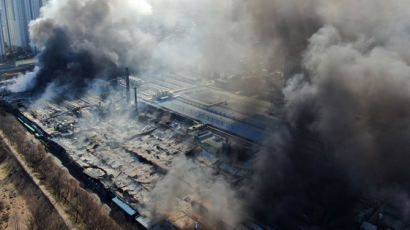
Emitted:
<point x="32" y="11"/>
<point x="15" y="18"/>
<point x="2" y="45"/>
<point x="9" y="23"/>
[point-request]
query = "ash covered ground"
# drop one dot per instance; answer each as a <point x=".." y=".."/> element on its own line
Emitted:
<point x="166" y="166"/>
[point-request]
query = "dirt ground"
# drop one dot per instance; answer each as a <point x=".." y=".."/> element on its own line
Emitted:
<point x="14" y="212"/>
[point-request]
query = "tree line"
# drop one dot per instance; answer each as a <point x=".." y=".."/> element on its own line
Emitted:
<point x="85" y="207"/>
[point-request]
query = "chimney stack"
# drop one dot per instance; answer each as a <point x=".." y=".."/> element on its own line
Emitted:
<point x="136" y="99"/>
<point x="127" y="82"/>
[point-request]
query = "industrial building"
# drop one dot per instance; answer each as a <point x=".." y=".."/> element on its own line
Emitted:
<point x="131" y="144"/>
<point x="15" y="18"/>
<point x="129" y="156"/>
<point x="131" y="139"/>
<point x="240" y="115"/>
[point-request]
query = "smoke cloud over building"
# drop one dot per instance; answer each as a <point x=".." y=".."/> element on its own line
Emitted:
<point x="346" y="100"/>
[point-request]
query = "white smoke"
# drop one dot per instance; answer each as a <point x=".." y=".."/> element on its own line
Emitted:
<point x="24" y="82"/>
<point x="216" y="200"/>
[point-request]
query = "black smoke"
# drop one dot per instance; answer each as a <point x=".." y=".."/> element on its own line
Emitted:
<point x="347" y="141"/>
<point x="298" y="184"/>
<point x="70" y="71"/>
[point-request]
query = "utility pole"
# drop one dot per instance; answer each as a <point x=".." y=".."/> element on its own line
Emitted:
<point x="127" y="82"/>
<point x="136" y="99"/>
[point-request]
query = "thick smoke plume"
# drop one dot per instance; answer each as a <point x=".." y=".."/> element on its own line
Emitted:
<point x="84" y="40"/>
<point x="69" y="70"/>
<point x="347" y="99"/>
<point x="348" y="108"/>
<point x="74" y="37"/>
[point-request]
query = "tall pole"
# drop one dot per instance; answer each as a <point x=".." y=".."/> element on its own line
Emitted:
<point x="135" y="99"/>
<point x="127" y="82"/>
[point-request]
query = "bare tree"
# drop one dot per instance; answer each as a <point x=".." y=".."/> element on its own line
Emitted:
<point x="15" y="220"/>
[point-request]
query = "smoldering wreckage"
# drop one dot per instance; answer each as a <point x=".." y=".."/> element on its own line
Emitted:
<point x="264" y="114"/>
